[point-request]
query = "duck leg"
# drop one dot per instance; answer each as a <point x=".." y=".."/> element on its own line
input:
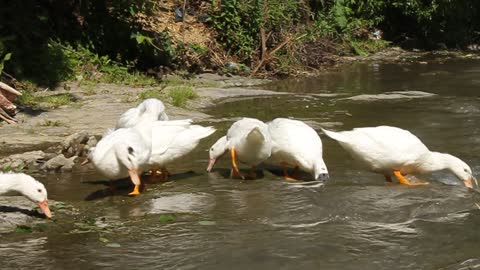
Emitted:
<point x="253" y="172"/>
<point x="165" y="174"/>
<point x="135" y="180"/>
<point x="405" y="181"/>
<point x="153" y="176"/>
<point x="235" y="172"/>
<point x="285" y="172"/>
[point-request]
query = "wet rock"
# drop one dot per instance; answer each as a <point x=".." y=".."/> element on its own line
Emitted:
<point x="18" y="211"/>
<point x="74" y="145"/>
<point x="49" y="156"/>
<point x="23" y="161"/>
<point x="60" y="162"/>
<point x="391" y="96"/>
<point x="92" y="141"/>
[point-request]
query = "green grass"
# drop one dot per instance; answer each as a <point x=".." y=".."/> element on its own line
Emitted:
<point x="89" y="89"/>
<point x="53" y="101"/>
<point x="177" y="81"/>
<point x="365" y="47"/>
<point x="150" y="93"/>
<point x="52" y="123"/>
<point x="180" y="95"/>
<point x="27" y="99"/>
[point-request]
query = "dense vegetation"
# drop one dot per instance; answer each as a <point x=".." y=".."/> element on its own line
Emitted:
<point x="48" y="41"/>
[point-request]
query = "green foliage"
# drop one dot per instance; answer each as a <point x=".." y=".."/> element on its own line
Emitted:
<point x="5" y="59"/>
<point x="86" y="65"/>
<point x="340" y="14"/>
<point x="47" y="42"/>
<point x="235" y="26"/>
<point x="94" y="28"/>
<point x="150" y="93"/>
<point x="238" y="22"/>
<point x="181" y="94"/>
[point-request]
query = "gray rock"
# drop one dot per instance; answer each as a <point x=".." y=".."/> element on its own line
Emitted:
<point x="92" y="141"/>
<point x="24" y="160"/>
<point x="16" y="211"/>
<point x="49" y="156"/>
<point x="74" y="144"/>
<point x="59" y="162"/>
<point x="76" y="138"/>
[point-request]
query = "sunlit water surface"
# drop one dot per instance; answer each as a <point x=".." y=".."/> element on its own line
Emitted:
<point x="354" y="221"/>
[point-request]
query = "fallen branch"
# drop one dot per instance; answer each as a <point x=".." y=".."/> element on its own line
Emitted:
<point x="6" y="117"/>
<point x="7" y="87"/>
<point x="265" y="55"/>
<point x="7" y="109"/>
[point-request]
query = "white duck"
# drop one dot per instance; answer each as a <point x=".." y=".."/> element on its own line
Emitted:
<point x="248" y="140"/>
<point x="151" y="109"/>
<point x="122" y="153"/>
<point x="28" y="187"/>
<point x="388" y="150"/>
<point x="170" y="141"/>
<point x="296" y="144"/>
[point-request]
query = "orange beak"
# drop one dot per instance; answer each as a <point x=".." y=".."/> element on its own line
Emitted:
<point x="211" y="163"/>
<point x="468" y="183"/>
<point x="44" y="206"/>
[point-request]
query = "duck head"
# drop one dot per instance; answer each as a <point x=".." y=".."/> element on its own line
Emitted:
<point x="217" y="150"/>
<point x="320" y="170"/>
<point x="34" y="191"/>
<point x="133" y="154"/>
<point x="460" y="169"/>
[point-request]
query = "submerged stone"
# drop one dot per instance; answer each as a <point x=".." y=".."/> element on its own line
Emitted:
<point x="391" y="96"/>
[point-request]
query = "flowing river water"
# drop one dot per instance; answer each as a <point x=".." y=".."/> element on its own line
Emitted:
<point x="353" y="221"/>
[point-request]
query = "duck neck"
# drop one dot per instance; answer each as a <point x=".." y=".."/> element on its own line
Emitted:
<point x="434" y="161"/>
<point x="11" y="183"/>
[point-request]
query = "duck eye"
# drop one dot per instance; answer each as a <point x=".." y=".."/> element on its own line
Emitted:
<point x="465" y="170"/>
<point x="39" y="190"/>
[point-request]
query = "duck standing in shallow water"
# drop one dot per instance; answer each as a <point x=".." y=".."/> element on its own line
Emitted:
<point x="122" y="153"/>
<point x="248" y="140"/>
<point x="150" y="109"/>
<point x="28" y="187"/>
<point x="296" y="144"/>
<point x="170" y="141"/>
<point x="388" y="150"/>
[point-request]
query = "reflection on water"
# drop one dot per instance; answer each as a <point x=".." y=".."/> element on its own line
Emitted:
<point x="355" y="221"/>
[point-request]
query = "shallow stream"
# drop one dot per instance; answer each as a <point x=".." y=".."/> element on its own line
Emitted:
<point x="354" y="221"/>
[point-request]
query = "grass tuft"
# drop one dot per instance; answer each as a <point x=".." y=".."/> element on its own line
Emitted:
<point x="181" y="95"/>
<point x="52" y="123"/>
<point x="150" y="93"/>
<point x="53" y="101"/>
